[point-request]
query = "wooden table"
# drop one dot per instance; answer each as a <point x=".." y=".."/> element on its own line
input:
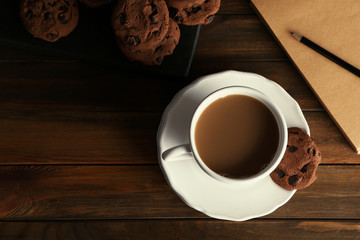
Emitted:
<point x="78" y="147"/>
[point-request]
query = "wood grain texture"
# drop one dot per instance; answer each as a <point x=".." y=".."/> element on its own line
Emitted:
<point x="54" y="137"/>
<point x="237" y="38"/>
<point x="227" y="38"/>
<point x="83" y="87"/>
<point x="78" y="147"/>
<point x="282" y="73"/>
<point x="132" y="192"/>
<point x="329" y="139"/>
<point x="80" y="86"/>
<point x="182" y="229"/>
<point x="72" y="137"/>
<point x="14" y="54"/>
<point x="235" y="7"/>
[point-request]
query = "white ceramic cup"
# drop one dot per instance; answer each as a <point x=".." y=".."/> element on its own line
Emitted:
<point x="189" y="151"/>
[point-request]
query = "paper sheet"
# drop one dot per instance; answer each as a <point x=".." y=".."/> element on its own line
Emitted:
<point x="334" y="25"/>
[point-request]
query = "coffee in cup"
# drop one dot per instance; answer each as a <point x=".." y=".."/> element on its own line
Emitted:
<point x="237" y="134"/>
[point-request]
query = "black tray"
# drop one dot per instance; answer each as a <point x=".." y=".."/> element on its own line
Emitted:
<point x="93" y="40"/>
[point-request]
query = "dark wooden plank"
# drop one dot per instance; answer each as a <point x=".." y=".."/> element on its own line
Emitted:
<point x="332" y="195"/>
<point x="13" y="54"/>
<point x="130" y="192"/>
<point x="237" y="38"/>
<point x="227" y="38"/>
<point x="331" y="142"/>
<point x="235" y="7"/>
<point x="182" y="229"/>
<point x="284" y="73"/>
<point x="73" y="137"/>
<point x="78" y="137"/>
<point x="78" y="86"/>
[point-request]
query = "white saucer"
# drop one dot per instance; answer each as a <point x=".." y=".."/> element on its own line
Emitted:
<point x="196" y="188"/>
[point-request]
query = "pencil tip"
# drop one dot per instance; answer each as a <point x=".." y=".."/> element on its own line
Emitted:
<point x="296" y="36"/>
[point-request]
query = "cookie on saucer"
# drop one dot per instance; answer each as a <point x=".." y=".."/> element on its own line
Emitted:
<point x="297" y="169"/>
<point x="155" y="54"/>
<point x="193" y="12"/>
<point x="49" y="20"/>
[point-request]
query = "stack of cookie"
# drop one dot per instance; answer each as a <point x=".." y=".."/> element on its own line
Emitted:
<point x="147" y="30"/>
<point x="193" y="12"/>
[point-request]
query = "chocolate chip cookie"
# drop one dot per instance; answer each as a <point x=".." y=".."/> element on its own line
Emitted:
<point x="193" y="12"/>
<point x="140" y="24"/>
<point x="297" y="169"/>
<point x="49" y="20"/>
<point x="95" y="3"/>
<point x="155" y="55"/>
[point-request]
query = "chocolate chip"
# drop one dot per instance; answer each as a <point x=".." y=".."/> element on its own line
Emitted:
<point x="122" y="18"/>
<point x="53" y="36"/>
<point x="130" y="41"/>
<point x="280" y="173"/>
<point x="156" y="33"/>
<point x="195" y="9"/>
<point x="314" y="152"/>
<point x="175" y="42"/>
<point x="173" y="12"/>
<point x="159" y="59"/>
<point x="158" y="49"/>
<point x="62" y="19"/>
<point x="210" y="18"/>
<point x="206" y="1"/>
<point x="304" y="168"/>
<point x="133" y="40"/>
<point x="154" y="8"/>
<point x="47" y="16"/>
<point x="319" y="154"/>
<point x="308" y="150"/>
<point x="293" y="149"/>
<point x="293" y="180"/>
<point x="29" y="14"/>
<point x="64" y="9"/>
<point x="152" y="19"/>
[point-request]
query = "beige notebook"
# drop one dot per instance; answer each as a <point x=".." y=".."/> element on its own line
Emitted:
<point x="334" y="25"/>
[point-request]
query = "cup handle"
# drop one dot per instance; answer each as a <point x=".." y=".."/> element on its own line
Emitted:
<point x="178" y="153"/>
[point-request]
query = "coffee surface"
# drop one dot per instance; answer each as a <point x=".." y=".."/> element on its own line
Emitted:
<point x="237" y="136"/>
